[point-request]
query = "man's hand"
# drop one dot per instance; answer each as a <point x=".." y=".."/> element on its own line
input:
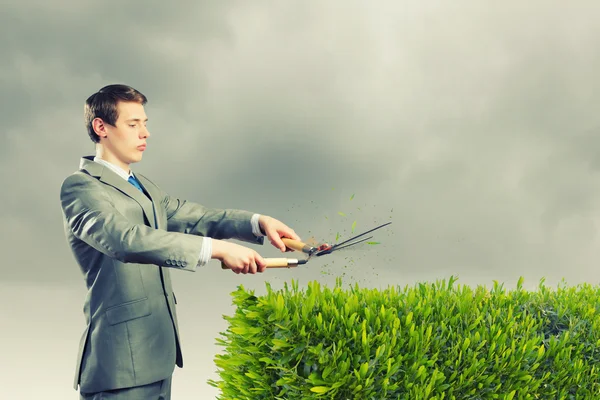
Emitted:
<point x="275" y="230"/>
<point x="238" y="258"/>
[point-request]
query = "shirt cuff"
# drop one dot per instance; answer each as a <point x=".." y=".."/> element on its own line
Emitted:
<point x="205" y="252"/>
<point x="256" y="226"/>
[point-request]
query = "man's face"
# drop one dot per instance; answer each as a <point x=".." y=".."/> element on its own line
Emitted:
<point x="123" y="141"/>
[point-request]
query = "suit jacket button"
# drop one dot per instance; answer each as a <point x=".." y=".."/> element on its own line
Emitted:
<point x="179" y="263"/>
<point x="168" y="262"/>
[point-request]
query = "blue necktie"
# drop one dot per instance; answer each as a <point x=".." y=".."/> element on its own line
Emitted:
<point x="135" y="183"/>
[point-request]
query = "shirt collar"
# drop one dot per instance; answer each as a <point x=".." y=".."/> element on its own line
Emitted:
<point x="118" y="170"/>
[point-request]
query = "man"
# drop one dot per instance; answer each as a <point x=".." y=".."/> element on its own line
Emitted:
<point x="127" y="234"/>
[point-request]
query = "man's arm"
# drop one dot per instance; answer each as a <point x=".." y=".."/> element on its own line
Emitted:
<point x="195" y="219"/>
<point x="92" y="217"/>
<point x="208" y="249"/>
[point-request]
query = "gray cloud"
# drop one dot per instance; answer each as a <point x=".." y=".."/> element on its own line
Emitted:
<point x="444" y="112"/>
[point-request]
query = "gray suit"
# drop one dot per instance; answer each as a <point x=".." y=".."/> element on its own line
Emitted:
<point x="126" y="245"/>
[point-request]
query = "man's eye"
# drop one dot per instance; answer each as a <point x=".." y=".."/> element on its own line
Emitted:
<point x="133" y="126"/>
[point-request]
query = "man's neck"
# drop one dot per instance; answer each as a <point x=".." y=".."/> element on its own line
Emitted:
<point x="112" y="160"/>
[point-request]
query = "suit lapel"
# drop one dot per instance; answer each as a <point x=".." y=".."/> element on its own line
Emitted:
<point x="154" y="196"/>
<point x="108" y="177"/>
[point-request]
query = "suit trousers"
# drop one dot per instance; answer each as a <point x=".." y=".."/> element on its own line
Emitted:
<point x="160" y="390"/>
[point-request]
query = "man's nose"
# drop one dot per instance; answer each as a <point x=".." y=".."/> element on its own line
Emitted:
<point x="145" y="133"/>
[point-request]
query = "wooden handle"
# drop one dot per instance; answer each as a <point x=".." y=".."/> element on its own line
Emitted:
<point x="297" y="245"/>
<point x="275" y="263"/>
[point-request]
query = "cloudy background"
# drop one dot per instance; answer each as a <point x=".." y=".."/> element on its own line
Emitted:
<point x="473" y="127"/>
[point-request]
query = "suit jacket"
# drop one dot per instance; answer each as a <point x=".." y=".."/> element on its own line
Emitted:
<point x="126" y="245"/>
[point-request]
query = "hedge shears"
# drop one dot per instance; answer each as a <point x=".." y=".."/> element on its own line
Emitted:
<point x="312" y="251"/>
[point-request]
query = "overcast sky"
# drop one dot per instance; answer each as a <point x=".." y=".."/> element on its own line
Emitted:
<point x="474" y="128"/>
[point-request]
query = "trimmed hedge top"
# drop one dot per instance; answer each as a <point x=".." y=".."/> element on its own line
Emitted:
<point x="430" y="341"/>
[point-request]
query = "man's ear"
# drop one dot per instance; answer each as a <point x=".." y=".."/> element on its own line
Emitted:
<point x="99" y="127"/>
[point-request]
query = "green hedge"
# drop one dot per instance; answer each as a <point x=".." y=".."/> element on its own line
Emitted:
<point x="430" y="341"/>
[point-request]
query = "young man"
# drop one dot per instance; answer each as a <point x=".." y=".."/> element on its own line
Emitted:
<point x="127" y="234"/>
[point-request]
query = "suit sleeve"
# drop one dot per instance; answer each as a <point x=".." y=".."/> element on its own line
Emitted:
<point x="195" y="219"/>
<point x="92" y="218"/>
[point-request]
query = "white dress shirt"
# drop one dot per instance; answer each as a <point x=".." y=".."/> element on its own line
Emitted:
<point x="206" y="249"/>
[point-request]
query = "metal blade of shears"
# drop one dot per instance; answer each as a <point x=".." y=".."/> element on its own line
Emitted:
<point x="339" y="245"/>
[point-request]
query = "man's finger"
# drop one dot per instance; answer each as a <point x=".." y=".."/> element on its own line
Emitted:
<point x="252" y="268"/>
<point x="292" y="235"/>
<point x="277" y="242"/>
<point x="281" y="245"/>
<point x="261" y="263"/>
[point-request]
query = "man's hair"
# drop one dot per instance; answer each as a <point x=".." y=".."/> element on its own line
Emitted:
<point x="103" y="105"/>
